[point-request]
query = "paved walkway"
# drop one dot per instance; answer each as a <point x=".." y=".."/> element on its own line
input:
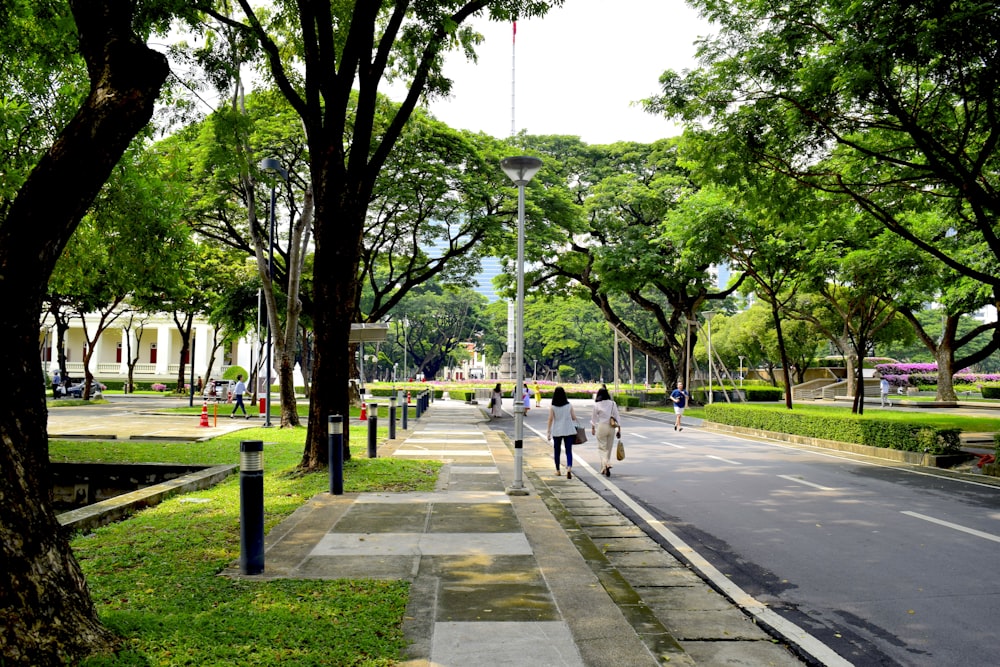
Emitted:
<point x="556" y="577"/>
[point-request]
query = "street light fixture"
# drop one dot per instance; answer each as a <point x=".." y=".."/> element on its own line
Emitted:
<point x="270" y="164"/>
<point x="708" y="314"/>
<point x="521" y="170"/>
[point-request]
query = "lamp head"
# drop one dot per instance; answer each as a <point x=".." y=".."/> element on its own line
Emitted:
<point x="272" y="164"/>
<point x="520" y="169"/>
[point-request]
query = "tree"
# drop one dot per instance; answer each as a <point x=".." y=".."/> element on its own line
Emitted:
<point x="317" y="52"/>
<point x="442" y="318"/>
<point x="616" y="230"/>
<point x="47" y="612"/>
<point x="891" y="104"/>
<point x="132" y="246"/>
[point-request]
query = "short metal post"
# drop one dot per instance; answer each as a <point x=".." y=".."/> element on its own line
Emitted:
<point x="406" y="409"/>
<point x="372" y="428"/>
<point x="335" y="428"/>
<point x="251" y="507"/>
<point x="392" y="417"/>
<point x="420" y="404"/>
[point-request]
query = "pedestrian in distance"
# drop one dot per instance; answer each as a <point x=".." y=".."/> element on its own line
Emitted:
<point x="561" y="429"/>
<point x="538" y="396"/>
<point x="680" y="399"/>
<point x="496" y="402"/>
<point x="604" y="422"/>
<point x="238" y="392"/>
<point x="883" y="392"/>
<point x="526" y="399"/>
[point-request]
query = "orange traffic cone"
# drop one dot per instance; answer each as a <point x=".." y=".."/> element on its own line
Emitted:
<point x="204" y="414"/>
<point x="364" y="412"/>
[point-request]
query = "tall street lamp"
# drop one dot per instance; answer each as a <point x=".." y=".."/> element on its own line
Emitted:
<point x="406" y="324"/>
<point x="270" y="164"/>
<point x="521" y="170"/>
<point x="708" y="314"/>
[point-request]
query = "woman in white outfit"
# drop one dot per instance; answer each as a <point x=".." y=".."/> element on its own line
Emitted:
<point x="600" y="426"/>
<point x="496" y="409"/>
<point x="562" y="429"/>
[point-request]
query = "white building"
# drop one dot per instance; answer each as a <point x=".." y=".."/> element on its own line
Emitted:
<point x="158" y="351"/>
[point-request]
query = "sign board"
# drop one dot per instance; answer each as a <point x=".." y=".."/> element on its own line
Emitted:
<point x="365" y="332"/>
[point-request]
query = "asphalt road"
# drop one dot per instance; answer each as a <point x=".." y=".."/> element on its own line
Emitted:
<point x="885" y="566"/>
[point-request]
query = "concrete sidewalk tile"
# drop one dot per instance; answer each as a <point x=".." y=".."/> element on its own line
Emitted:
<point x="740" y="654"/>
<point x="730" y="623"/>
<point x="511" y="644"/>
<point x="530" y="601"/>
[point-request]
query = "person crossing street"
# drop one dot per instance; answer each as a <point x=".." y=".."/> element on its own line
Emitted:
<point x="238" y="392"/>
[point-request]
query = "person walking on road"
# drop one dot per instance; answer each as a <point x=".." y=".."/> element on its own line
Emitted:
<point x="526" y="399"/>
<point x="496" y="402"/>
<point x="238" y="392"/>
<point x="680" y="398"/>
<point x="561" y="429"/>
<point x="883" y="392"/>
<point x="604" y="421"/>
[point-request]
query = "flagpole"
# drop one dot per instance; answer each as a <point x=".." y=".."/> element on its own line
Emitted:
<point x="513" y="49"/>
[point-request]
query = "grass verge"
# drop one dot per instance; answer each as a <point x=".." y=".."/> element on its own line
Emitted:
<point x="155" y="577"/>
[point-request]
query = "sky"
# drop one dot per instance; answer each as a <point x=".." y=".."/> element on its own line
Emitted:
<point x="577" y="71"/>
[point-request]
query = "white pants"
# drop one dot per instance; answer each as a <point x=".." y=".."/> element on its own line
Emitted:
<point x="605" y="443"/>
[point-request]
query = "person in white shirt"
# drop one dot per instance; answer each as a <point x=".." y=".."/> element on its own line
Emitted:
<point x="883" y="392"/>
<point x="562" y="429"/>
<point x="238" y="392"/>
<point x="605" y="412"/>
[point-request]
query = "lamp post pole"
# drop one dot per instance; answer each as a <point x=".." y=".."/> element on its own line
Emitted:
<point x="741" y="369"/>
<point x="520" y="170"/>
<point x="270" y="164"/>
<point x="406" y="324"/>
<point x="708" y="318"/>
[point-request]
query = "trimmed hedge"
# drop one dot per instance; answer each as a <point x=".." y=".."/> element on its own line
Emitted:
<point x="863" y="430"/>
<point x="990" y="390"/>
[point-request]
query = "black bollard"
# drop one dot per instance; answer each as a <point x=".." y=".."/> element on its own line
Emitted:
<point x="420" y="404"/>
<point x="335" y="427"/>
<point x="392" y="417"/>
<point x="406" y="409"/>
<point x="372" y="428"/>
<point x="251" y="507"/>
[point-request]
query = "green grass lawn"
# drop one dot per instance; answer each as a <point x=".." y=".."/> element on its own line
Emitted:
<point x="155" y="577"/>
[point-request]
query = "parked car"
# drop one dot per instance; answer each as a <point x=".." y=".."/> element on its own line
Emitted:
<point x="221" y="390"/>
<point x="76" y="390"/>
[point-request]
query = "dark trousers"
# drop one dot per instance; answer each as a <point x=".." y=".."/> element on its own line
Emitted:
<point x="557" y="443"/>
<point x="239" y="404"/>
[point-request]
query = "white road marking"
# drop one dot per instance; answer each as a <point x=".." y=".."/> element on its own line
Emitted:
<point x="719" y="458"/>
<point x="637" y="435"/>
<point x="802" y="481"/>
<point x="954" y="526"/>
<point x="676" y="446"/>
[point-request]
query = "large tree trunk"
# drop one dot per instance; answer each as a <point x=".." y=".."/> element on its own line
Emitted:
<point x="335" y="280"/>
<point x="46" y="610"/>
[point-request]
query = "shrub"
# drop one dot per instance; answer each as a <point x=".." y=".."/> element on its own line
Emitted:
<point x="870" y="431"/>
<point x="158" y="386"/>
<point x="991" y="390"/>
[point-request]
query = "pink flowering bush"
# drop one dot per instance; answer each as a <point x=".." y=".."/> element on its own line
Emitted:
<point x="159" y="387"/>
<point x="913" y="375"/>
